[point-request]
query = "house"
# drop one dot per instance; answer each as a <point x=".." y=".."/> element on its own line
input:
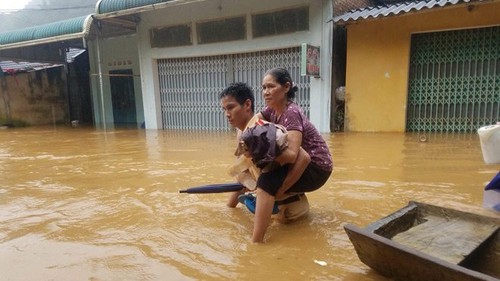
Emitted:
<point x="183" y="53"/>
<point x="45" y="69"/>
<point x="162" y="63"/>
<point x="422" y="66"/>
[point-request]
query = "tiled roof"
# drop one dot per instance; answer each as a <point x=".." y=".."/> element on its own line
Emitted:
<point x="392" y="10"/>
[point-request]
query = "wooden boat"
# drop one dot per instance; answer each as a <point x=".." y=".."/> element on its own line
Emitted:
<point x="425" y="242"/>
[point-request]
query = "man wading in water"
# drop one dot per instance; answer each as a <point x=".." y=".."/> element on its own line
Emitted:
<point x="279" y="189"/>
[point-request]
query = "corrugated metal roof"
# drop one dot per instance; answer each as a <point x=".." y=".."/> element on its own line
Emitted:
<point x="396" y="9"/>
<point x="109" y="6"/>
<point x="16" y="67"/>
<point x="78" y="25"/>
<point x="72" y="53"/>
<point x="9" y="66"/>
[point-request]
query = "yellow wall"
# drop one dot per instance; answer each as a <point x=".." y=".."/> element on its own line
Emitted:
<point x="377" y="66"/>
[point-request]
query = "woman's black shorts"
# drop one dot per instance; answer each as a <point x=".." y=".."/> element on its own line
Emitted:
<point x="312" y="179"/>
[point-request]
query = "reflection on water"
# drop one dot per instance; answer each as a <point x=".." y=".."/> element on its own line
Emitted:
<point x="97" y="205"/>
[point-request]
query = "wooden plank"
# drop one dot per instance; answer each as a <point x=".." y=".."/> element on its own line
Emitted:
<point x="449" y="239"/>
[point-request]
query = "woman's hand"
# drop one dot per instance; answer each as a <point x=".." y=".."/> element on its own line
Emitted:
<point x="280" y="195"/>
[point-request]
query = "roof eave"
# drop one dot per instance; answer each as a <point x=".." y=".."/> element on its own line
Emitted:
<point x="66" y="37"/>
<point x="341" y="22"/>
<point x="142" y="9"/>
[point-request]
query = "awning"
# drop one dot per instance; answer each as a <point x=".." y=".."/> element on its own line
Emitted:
<point x="11" y="67"/>
<point x="109" y="6"/>
<point x="119" y="17"/>
<point x="45" y="43"/>
<point x="114" y="8"/>
<point x="65" y="30"/>
<point x="394" y="10"/>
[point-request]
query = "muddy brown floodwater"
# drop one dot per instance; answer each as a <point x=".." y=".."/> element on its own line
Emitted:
<point x="84" y="204"/>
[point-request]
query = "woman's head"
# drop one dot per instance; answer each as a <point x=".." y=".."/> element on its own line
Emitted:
<point x="282" y="76"/>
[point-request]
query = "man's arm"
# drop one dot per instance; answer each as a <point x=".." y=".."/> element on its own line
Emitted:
<point x="232" y="200"/>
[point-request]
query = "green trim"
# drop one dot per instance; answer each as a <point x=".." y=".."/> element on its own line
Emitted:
<point x="109" y="6"/>
<point x="65" y="27"/>
<point x="454" y="80"/>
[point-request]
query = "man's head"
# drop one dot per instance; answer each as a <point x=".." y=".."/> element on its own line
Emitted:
<point x="237" y="101"/>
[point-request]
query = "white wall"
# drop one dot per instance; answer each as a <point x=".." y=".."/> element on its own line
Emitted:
<point x="319" y="35"/>
<point x="115" y="54"/>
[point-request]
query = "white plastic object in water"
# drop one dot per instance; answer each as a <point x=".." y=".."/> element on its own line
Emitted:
<point x="489" y="137"/>
<point x="491" y="199"/>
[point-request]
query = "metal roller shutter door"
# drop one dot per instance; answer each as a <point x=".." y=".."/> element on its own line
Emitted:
<point x="454" y="83"/>
<point x="190" y="87"/>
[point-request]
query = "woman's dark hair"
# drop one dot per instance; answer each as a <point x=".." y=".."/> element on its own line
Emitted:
<point x="241" y="92"/>
<point x="282" y="76"/>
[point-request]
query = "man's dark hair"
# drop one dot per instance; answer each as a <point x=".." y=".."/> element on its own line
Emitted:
<point x="240" y="92"/>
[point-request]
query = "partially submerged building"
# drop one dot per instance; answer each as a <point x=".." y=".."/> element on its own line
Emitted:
<point x="186" y="52"/>
<point x="162" y="64"/>
<point x="422" y="66"/>
<point x="45" y="74"/>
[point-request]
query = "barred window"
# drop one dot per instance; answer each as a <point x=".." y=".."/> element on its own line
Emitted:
<point x="171" y="36"/>
<point x="221" y="30"/>
<point x="280" y="22"/>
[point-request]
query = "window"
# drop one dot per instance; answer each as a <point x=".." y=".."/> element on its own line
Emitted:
<point x="221" y="30"/>
<point x="172" y="36"/>
<point x="280" y="22"/>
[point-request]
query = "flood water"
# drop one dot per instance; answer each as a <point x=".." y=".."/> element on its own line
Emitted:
<point x="85" y="204"/>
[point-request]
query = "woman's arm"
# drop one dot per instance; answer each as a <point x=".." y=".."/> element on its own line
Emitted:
<point x="289" y="155"/>
<point x="298" y="159"/>
<point x="294" y="173"/>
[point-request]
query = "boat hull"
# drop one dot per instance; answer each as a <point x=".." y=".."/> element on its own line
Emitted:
<point x="426" y="242"/>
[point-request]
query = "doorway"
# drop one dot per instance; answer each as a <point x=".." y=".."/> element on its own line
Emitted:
<point x="123" y="97"/>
